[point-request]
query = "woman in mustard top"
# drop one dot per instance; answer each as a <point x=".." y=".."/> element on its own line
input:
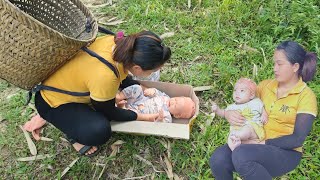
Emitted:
<point x="291" y="107"/>
<point x="86" y="119"/>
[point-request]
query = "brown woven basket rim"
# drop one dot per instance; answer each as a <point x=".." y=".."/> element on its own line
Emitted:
<point x="53" y="30"/>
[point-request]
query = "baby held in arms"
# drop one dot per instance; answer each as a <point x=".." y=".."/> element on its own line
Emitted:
<point x="251" y="107"/>
<point x="152" y="101"/>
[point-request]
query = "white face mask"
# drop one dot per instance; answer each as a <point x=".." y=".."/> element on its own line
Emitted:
<point x="155" y="76"/>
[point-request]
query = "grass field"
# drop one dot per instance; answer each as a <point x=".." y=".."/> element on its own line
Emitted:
<point x="214" y="44"/>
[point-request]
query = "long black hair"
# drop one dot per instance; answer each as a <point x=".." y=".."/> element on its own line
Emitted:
<point x="296" y="54"/>
<point x="144" y="49"/>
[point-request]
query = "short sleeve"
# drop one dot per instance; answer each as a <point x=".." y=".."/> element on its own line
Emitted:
<point x="231" y="107"/>
<point x="260" y="87"/>
<point x="307" y="102"/>
<point x="103" y="88"/>
<point x="257" y="105"/>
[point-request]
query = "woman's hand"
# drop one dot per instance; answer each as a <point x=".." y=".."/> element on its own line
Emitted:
<point x="264" y="116"/>
<point x="234" y="118"/>
<point x="120" y="100"/>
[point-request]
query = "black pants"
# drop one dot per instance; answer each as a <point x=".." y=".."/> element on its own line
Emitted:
<point x="78" y="121"/>
<point x="253" y="161"/>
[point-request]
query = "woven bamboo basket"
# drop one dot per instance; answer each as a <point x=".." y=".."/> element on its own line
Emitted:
<point x="39" y="36"/>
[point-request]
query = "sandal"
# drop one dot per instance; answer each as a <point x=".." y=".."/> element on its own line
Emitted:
<point x="85" y="149"/>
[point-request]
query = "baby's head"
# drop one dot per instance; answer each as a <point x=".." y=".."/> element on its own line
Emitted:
<point x="182" y="107"/>
<point x="244" y="90"/>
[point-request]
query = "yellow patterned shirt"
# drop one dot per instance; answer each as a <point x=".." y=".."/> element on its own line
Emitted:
<point x="84" y="73"/>
<point x="282" y="112"/>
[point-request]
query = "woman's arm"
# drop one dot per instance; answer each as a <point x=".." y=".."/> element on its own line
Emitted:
<point x="234" y="117"/>
<point x="109" y="109"/>
<point x="302" y="128"/>
<point x="128" y="81"/>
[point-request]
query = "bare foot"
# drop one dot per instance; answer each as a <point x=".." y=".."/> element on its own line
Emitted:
<point x="78" y="146"/>
<point x="233" y="141"/>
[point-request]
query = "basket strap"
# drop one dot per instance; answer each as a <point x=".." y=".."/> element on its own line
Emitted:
<point x="104" y="61"/>
<point x="40" y="87"/>
<point x="50" y="88"/>
<point x="88" y="27"/>
<point x="105" y="31"/>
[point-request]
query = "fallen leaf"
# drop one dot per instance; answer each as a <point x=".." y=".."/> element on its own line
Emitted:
<point x="147" y="10"/>
<point x="99" y="5"/>
<point x="33" y="158"/>
<point x="49" y="167"/>
<point x="153" y="176"/>
<point x="255" y="70"/>
<point x="31" y="145"/>
<point x="166" y="35"/>
<point x="146" y="162"/>
<point x="95" y="172"/>
<point x="102" y="171"/>
<point x="64" y="139"/>
<point x="247" y="48"/>
<point x="176" y="177"/>
<point x="202" y="88"/>
<point x="68" y="167"/>
<point x="45" y="139"/>
<point x="99" y="164"/>
<point x="111" y="19"/>
<point x="32" y="106"/>
<point x="195" y="59"/>
<point x="212" y="115"/>
<point x="168" y="168"/>
<point x="264" y="56"/>
<point x="115" y="147"/>
<point x="113" y="23"/>
<point x="167" y="145"/>
<point x="139" y="177"/>
<point x="112" y="176"/>
<point x="129" y="173"/>
<point x="11" y="95"/>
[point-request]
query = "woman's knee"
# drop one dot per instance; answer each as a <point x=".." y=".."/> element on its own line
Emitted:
<point x="221" y="158"/>
<point x="241" y="156"/>
<point x="99" y="133"/>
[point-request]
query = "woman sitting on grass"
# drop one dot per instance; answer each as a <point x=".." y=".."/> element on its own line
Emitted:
<point x="291" y="107"/>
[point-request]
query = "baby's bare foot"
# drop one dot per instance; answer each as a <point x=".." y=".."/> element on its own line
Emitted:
<point x="233" y="142"/>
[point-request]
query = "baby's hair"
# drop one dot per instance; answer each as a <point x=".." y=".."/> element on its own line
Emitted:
<point x="252" y="86"/>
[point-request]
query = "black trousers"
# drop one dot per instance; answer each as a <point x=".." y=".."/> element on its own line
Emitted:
<point x="78" y="121"/>
<point x="253" y="161"/>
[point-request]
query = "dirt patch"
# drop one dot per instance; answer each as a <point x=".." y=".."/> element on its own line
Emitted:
<point x="3" y="127"/>
<point x="4" y="152"/>
<point x="9" y="92"/>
